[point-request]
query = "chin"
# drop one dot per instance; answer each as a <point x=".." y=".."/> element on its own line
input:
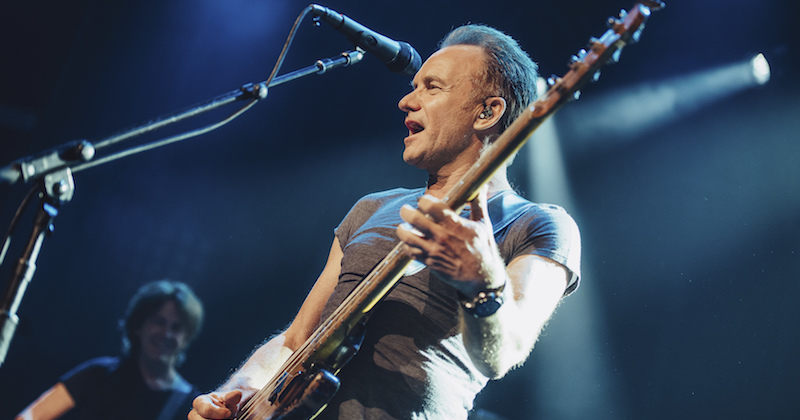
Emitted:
<point x="165" y="358"/>
<point x="413" y="157"/>
<point x="409" y="160"/>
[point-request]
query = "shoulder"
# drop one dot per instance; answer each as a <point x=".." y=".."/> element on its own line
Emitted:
<point x="549" y="218"/>
<point x="510" y="208"/>
<point x="371" y="203"/>
<point x="88" y="375"/>
<point x="553" y="233"/>
<point x="104" y="364"/>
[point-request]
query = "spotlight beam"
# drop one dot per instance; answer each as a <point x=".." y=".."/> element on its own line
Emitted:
<point x="627" y="113"/>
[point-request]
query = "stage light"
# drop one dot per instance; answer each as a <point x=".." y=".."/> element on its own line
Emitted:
<point x="760" y="68"/>
<point x="624" y="114"/>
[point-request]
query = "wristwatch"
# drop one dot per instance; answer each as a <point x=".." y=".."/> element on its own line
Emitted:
<point x="486" y="303"/>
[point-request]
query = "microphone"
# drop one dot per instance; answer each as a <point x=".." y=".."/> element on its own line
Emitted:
<point x="398" y="56"/>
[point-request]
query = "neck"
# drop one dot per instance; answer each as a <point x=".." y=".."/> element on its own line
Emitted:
<point x="158" y="375"/>
<point x="439" y="185"/>
<point x="442" y="179"/>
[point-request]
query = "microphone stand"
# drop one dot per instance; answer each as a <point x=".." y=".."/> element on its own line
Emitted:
<point x="57" y="188"/>
<point x="53" y="170"/>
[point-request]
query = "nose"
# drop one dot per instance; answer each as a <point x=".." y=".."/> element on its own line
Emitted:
<point x="173" y="330"/>
<point x="408" y="103"/>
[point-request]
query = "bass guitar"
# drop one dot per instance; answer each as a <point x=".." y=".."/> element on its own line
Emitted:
<point x="307" y="380"/>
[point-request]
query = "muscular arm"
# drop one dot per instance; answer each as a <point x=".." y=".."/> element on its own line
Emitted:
<point x="52" y="404"/>
<point x="265" y="362"/>
<point x="499" y="342"/>
<point x="463" y="254"/>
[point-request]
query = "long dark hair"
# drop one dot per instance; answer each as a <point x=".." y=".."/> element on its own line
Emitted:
<point x="149" y="299"/>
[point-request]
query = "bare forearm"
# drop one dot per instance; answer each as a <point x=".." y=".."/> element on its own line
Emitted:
<point x="259" y="368"/>
<point x="52" y="404"/>
<point x="499" y="342"/>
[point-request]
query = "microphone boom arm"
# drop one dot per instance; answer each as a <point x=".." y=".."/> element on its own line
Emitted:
<point x="53" y="169"/>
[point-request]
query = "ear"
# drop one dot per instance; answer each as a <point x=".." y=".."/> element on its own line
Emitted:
<point x="494" y="108"/>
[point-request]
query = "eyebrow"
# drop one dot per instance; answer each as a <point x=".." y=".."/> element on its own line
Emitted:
<point x="427" y="80"/>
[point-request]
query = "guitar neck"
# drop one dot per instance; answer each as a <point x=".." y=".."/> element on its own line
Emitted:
<point x="360" y="302"/>
<point x="323" y="347"/>
<point x="501" y="150"/>
<point x="329" y="335"/>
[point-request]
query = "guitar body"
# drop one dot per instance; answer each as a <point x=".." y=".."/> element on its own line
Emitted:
<point x="303" y="392"/>
<point x="305" y="396"/>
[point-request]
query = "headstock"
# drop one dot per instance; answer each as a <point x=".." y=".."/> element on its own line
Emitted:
<point x="585" y="65"/>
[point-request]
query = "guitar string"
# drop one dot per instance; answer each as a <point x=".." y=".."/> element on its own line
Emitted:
<point x="339" y="316"/>
<point x="366" y="286"/>
<point x="336" y="319"/>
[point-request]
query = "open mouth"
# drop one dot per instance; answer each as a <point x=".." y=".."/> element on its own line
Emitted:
<point x="414" y="127"/>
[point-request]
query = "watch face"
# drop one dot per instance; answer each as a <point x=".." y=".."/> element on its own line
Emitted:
<point x="488" y="307"/>
<point x="485" y="304"/>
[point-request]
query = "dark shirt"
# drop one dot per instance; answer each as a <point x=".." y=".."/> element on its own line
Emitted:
<point x="413" y="363"/>
<point x="113" y="388"/>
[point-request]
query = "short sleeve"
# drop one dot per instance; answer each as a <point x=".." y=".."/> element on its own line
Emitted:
<point x="549" y="231"/>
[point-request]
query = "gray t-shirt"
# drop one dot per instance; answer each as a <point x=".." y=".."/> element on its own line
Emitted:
<point x="412" y="363"/>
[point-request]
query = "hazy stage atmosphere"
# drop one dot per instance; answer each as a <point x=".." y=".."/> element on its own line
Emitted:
<point x="680" y="165"/>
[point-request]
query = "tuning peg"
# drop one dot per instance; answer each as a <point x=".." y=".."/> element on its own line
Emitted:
<point x="580" y="56"/>
<point x="615" y="56"/>
<point x="552" y="80"/>
<point x="614" y="23"/>
<point x="574" y="59"/>
<point x="654" y="4"/>
<point x="596" y="76"/>
<point x="576" y="95"/>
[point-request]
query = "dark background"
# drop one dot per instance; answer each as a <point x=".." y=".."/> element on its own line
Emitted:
<point x="686" y="186"/>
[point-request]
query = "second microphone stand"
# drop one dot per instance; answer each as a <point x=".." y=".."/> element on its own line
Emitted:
<point x="53" y="170"/>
